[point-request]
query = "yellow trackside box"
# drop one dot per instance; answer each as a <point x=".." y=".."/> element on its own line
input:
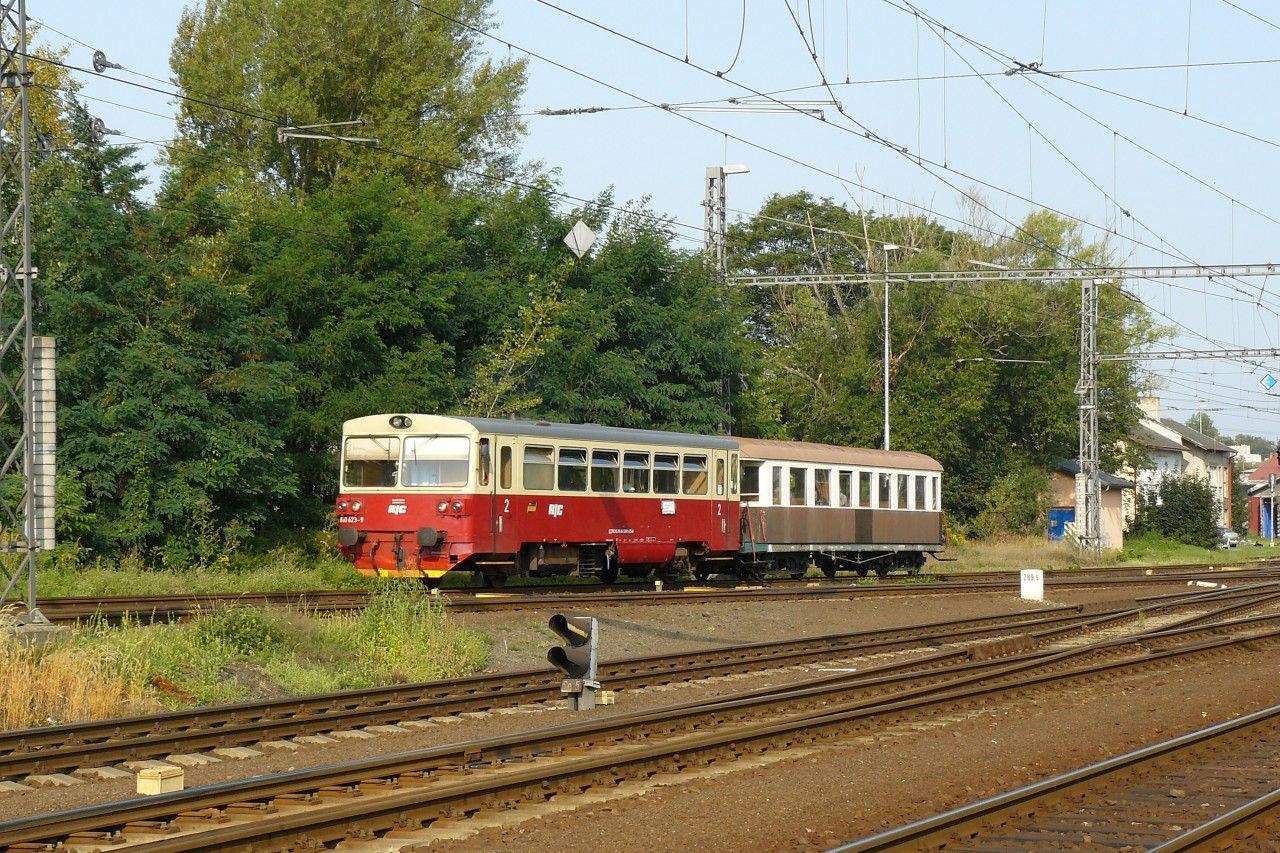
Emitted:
<point x="159" y="780"/>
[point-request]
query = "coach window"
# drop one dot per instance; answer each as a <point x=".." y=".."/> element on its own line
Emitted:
<point x="733" y="475"/>
<point x="370" y="461"/>
<point x="436" y="460"/>
<point x="604" y="470"/>
<point x="777" y="485"/>
<point x="694" y="481"/>
<point x="822" y="487"/>
<point x="539" y="468"/>
<point x="902" y="491"/>
<point x="750" y="481"/>
<point x="846" y="488"/>
<point x="504" y="467"/>
<point x="666" y="474"/>
<point x="799" y="483"/>
<point x="720" y="477"/>
<point x="635" y="473"/>
<point x="571" y="473"/>
<point x="922" y="499"/>
<point x="885" y="482"/>
<point x="937" y="500"/>
<point x="484" y="461"/>
<point x="864" y="490"/>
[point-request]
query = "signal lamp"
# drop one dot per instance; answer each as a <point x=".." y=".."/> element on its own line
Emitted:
<point x="576" y="659"/>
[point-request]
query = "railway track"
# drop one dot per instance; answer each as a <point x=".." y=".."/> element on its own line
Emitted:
<point x="168" y="607"/>
<point x="395" y="800"/>
<point x="1215" y="789"/>
<point x="64" y="748"/>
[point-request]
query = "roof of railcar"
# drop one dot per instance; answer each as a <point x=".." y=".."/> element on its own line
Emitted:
<point x="804" y="451"/>
<point x="586" y="432"/>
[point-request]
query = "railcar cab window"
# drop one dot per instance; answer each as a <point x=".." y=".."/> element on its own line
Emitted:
<point x="572" y="470"/>
<point x="539" y="468"/>
<point x="884" y="483"/>
<point x="370" y="461"/>
<point x="695" y="475"/>
<point x="750" y="481"/>
<point x="635" y="473"/>
<point x="822" y="487"/>
<point x="604" y="470"/>
<point x="666" y="474"/>
<point x="436" y="460"/>
<point x="799" y="482"/>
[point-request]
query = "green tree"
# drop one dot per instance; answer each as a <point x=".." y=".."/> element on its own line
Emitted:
<point x="1181" y="508"/>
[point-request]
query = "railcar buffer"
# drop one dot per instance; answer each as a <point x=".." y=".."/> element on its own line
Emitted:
<point x="576" y="659"/>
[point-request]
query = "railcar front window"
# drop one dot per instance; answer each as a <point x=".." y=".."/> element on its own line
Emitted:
<point x="635" y="473"/>
<point x="435" y="460"/>
<point x="822" y="487"/>
<point x="370" y="461"/>
<point x="539" y="468"/>
<point x="666" y="474"/>
<point x="695" y="475"/>
<point x="572" y="471"/>
<point x="799" y="480"/>
<point x="604" y="470"/>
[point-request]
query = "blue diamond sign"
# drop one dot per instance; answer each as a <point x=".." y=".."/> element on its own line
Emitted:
<point x="1268" y="382"/>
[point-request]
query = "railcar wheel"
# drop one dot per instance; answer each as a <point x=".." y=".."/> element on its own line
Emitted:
<point x="882" y="571"/>
<point x="494" y="578"/>
<point x="862" y="571"/>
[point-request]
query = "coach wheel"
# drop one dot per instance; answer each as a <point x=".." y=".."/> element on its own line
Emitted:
<point x="701" y="573"/>
<point x="494" y="578"/>
<point x="882" y="571"/>
<point x="862" y="571"/>
<point x="609" y="575"/>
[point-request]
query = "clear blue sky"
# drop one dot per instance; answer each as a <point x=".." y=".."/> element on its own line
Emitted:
<point x="1074" y="143"/>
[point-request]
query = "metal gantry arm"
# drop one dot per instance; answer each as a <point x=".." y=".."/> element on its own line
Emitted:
<point x="1209" y="271"/>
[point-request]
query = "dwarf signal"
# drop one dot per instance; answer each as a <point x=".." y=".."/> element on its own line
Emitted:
<point x="576" y="659"/>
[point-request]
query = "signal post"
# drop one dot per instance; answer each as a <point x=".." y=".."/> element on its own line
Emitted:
<point x="576" y="659"/>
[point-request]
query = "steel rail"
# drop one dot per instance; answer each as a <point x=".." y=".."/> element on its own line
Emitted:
<point x="66" y="747"/>
<point x="994" y="813"/>
<point x="446" y="780"/>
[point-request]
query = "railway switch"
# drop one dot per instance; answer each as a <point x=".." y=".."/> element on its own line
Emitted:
<point x="576" y="659"/>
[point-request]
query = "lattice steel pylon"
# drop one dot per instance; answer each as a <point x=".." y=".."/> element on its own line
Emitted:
<point x="1088" y="480"/>
<point x="19" y="527"/>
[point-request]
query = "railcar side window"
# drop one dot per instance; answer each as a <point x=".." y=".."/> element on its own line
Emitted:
<point x="902" y="491"/>
<point x="539" y="468"/>
<point x="846" y="488"/>
<point x="436" y="460"/>
<point x="883" y="490"/>
<point x="572" y="470"/>
<point x="937" y="499"/>
<point x="666" y="474"/>
<point x="719" y="476"/>
<point x="733" y="475"/>
<point x="777" y="485"/>
<point x="504" y="462"/>
<point x="484" y="461"/>
<point x="822" y="487"/>
<point x="695" y="475"/>
<point x="864" y="490"/>
<point x="799" y="479"/>
<point x="751" y="481"/>
<point x="604" y="470"/>
<point x="635" y="473"/>
<point x="922" y="500"/>
<point x="370" y="461"/>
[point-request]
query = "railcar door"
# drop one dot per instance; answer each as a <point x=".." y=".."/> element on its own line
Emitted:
<point x="502" y="495"/>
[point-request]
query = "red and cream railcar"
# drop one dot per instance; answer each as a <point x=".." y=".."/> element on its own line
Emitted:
<point x="841" y="507"/>
<point x="421" y="495"/>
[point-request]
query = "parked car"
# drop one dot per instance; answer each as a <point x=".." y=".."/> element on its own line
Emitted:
<point x="1227" y="538"/>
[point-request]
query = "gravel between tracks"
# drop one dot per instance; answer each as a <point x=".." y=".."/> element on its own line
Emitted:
<point x="840" y="794"/>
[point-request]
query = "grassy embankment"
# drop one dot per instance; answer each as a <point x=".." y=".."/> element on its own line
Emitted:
<point x="230" y="654"/>
<point x="1034" y="552"/>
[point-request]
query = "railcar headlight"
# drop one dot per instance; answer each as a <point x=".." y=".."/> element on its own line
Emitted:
<point x="342" y="505"/>
<point x="355" y="506"/>
<point x="401" y="422"/>
<point x="457" y="506"/>
<point x="443" y="506"/>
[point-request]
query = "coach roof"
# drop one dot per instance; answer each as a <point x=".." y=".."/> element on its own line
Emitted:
<point x="804" y="451"/>
<point x="595" y="432"/>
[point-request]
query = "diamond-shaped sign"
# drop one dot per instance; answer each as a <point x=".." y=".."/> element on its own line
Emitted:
<point x="1268" y="382"/>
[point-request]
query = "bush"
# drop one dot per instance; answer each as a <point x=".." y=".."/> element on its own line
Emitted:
<point x="1017" y="503"/>
<point x="1181" y="508"/>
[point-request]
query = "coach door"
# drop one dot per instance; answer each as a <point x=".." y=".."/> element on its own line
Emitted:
<point x="502" y="494"/>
